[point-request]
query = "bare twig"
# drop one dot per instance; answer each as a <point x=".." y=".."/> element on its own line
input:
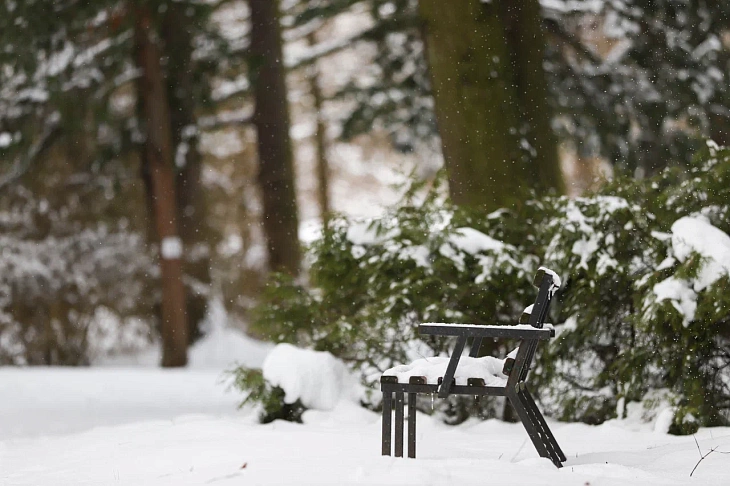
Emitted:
<point x="23" y="164"/>
<point x="702" y="456"/>
<point x="519" y="450"/>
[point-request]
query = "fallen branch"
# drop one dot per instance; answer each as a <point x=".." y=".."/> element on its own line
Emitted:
<point x="702" y="456"/>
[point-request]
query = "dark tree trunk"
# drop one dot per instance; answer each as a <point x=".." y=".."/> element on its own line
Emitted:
<point x="485" y="62"/>
<point x="320" y="141"/>
<point x="720" y="128"/>
<point x="191" y="207"/>
<point x="158" y="158"/>
<point x="276" y="167"/>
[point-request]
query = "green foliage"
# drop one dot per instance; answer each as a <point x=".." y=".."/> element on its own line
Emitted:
<point x="624" y="333"/>
<point x="372" y="282"/>
<point x="270" y="398"/>
<point x="621" y="338"/>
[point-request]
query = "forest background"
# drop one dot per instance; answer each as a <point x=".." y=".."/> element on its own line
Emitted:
<point x="161" y="156"/>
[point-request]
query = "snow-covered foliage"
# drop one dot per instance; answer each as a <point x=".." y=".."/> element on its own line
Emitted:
<point x="643" y="306"/>
<point x="373" y="282"/>
<point x="637" y="81"/>
<point x="392" y="89"/>
<point x="634" y="81"/>
<point x="53" y="289"/>
<point x="69" y="289"/>
<point x="316" y="378"/>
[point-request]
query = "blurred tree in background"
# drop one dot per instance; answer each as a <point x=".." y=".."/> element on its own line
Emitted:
<point x="276" y="160"/>
<point x="490" y="95"/>
<point x="78" y="72"/>
<point x="636" y="82"/>
<point x="160" y="131"/>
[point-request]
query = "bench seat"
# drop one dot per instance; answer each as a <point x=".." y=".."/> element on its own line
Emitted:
<point x="486" y="368"/>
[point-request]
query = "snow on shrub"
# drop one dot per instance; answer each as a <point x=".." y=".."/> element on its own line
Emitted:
<point x="372" y="282"/>
<point x="646" y="303"/>
<point x="315" y="378"/>
<point x="67" y="292"/>
<point x="644" y="306"/>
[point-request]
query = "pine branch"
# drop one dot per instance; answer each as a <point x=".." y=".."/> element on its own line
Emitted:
<point x="225" y="119"/>
<point x="570" y="40"/>
<point x="22" y="165"/>
<point x="373" y="34"/>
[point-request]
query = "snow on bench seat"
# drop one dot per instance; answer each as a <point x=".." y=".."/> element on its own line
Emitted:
<point x="487" y="368"/>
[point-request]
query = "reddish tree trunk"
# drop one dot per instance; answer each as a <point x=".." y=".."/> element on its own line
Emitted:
<point x="158" y="157"/>
<point x="191" y="205"/>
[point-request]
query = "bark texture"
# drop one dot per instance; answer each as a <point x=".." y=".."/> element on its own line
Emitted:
<point x="158" y="159"/>
<point x="271" y="118"/>
<point x="320" y="141"/>
<point x="192" y="214"/>
<point x="490" y="93"/>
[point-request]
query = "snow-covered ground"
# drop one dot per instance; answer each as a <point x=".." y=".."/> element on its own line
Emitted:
<point x="138" y="425"/>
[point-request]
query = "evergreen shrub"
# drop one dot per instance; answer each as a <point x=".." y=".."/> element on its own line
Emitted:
<point x="641" y="314"/>
<point x="627" y="329"/>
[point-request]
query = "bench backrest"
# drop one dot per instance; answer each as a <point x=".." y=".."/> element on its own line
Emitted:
<point x="547" y="283"/>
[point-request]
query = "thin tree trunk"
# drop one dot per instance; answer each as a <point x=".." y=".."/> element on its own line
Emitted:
<point x="527" y="42"/>
<point x="276" y="165"/>
<point x="320" y="142"/>
<point x="191" y="208"/>
<point x="485" y="62"/>
<point x="720" y="128"/>
<point x="158" y="156"/>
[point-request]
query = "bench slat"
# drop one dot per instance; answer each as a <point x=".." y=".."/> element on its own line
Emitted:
<point x="522" y="331"/>
<point x="495" y="391"/>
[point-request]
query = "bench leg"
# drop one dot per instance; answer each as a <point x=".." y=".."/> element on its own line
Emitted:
<point x="532" y="408"/>
<point x="387" y="417"/>
<point x="399" y="412"/>
<point x="412" y="425"/>
<point x="528" y="421"/>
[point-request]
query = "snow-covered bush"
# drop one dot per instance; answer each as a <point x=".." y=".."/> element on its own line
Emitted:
<point x="67" y="290"/>
<point x="599" y="244"/>
<point x="373" y="282"/>
<point x="293" y="380"/>
<point x="645" y="306"/>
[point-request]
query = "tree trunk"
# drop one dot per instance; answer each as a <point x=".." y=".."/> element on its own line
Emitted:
<point x="191" y="208"/>
<point x="320" y="142"/>
<point x="276" y="166"/>
<point x="158" y="157"/>
<point x="490" y="94"/>
<point x="720" y="128"/>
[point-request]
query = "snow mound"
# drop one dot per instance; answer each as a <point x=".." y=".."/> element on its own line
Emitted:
<point x="487" y="368"/>
<point x="316" y="378"/>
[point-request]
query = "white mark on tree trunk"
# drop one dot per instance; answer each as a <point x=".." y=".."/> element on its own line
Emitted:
<point x="171" y="248"/>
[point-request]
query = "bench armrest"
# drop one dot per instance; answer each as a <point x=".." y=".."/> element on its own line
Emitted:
<point x="521" y="331"/>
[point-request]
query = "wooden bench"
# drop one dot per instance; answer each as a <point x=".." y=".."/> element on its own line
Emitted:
<point x="476" y="376"/>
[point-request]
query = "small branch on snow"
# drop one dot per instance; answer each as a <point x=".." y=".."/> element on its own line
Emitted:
<point x="702" y="456"/>
<point x="519" y="450"/>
